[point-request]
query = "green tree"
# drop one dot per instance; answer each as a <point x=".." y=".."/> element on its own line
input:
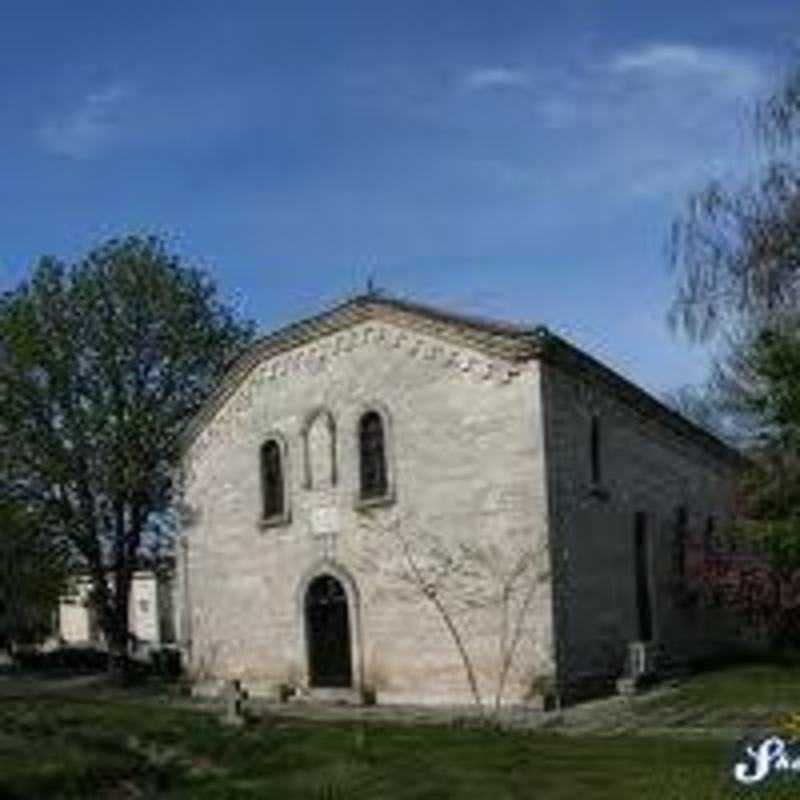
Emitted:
<point x="736" y="248"/>
<point x="102" y="364"/>
<point x="33" y="574"/>
<point x="769" y="519"/>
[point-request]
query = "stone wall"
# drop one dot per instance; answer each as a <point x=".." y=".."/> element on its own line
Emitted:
<point x="645" y="467"/>
<point x="466" y="467"/>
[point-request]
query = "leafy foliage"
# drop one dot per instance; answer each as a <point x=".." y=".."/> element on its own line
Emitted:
<point x="102" y="364"/>
<point x="775" y="398"/>
<point x="33" y="573"/>
<point x="737" y="249"/>
<point x="765" y="591"/>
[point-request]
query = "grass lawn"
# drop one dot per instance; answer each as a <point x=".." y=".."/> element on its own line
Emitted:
<point x="755" y="697"/>
<point x="113" y="746"/>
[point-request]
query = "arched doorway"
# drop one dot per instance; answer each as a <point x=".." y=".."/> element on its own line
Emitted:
<point x="328" y="633"/>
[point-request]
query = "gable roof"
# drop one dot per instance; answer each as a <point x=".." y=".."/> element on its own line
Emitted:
<point x="505" y="340"/>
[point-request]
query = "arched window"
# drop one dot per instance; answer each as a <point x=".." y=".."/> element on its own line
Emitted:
<point x="373" y="455"/>
<point x="271" y="479"/>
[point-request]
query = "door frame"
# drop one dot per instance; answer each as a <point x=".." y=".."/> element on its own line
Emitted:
<point x="327" y="566"/>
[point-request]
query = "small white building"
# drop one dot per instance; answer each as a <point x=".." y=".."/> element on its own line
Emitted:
<point x="149" y="613"/>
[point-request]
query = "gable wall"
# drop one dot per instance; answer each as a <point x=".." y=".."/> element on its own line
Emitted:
<point x="466" y="453"/>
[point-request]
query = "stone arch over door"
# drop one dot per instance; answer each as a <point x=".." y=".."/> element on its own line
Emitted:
<point x="326" y="578"/>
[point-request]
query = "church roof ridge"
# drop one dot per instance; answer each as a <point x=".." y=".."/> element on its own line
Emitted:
<point x="473" y="320"/>
<point x="377" y="297"/>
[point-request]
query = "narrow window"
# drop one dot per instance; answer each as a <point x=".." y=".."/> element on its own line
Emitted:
<point x="644" y="606"/>
<point x="708" y="537"/>
<point x="679" y="552"/>
<point x="373" y="456"/>
<point x="595" y="449"/>
<point x="271" y="479"/>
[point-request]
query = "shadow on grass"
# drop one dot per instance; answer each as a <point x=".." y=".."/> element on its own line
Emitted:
<point x="116" y="747"/>
<point x="787" y="657"/>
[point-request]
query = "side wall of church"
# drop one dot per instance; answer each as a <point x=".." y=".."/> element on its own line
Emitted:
<point x="467" y="503"/>
<point x="645" y="467"/>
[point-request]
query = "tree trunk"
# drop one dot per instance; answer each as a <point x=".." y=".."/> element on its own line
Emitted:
<point x="472" y="679"/>
<point x="431" y="595"/>
<point x="119" y="663"/>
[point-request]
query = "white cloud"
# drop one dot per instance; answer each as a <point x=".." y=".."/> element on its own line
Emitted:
<point x="495" y="78"/>
<point x="110" y="94"/>
<point x="649" y="122"/>
<point x="87" y="129"/>
<point x="728" y="69"/>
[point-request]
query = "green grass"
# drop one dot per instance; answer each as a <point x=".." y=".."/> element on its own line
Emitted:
<point x="107" y="745"/>
<point x="749" y="698"/>
<point x="756" y="684"/>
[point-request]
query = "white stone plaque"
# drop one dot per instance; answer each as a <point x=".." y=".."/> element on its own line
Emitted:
<point x="324" y="520"/>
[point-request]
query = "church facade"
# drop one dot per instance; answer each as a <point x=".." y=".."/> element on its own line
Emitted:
<point x="392" y="503"/>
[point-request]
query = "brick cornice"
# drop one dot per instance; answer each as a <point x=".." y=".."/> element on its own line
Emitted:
<point x="292" y="348"/>
<point x="500" y="345"/>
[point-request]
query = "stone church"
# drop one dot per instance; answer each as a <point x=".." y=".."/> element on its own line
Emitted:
<point x="393" y="503"/>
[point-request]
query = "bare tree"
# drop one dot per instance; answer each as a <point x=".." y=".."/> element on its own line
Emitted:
<point x="460" y="577"/>
<point x="736" y="250"/>
<point x="736" y="247"/>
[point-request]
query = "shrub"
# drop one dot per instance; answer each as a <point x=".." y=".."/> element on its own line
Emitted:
<point x="166" y="663"/>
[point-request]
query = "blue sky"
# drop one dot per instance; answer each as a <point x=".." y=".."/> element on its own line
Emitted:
<point x="517" y="160"/>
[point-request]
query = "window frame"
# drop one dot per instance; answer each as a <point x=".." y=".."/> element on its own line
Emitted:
<point x="388" y="495"/>
<point x="283" y="515"/>
<point x="597" y="489"/>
